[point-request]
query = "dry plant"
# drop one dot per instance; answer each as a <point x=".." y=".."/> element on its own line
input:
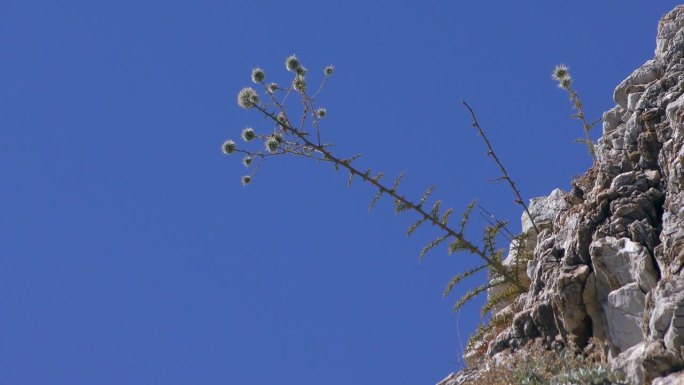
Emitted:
<point x="298" y="134"/>
<point x="562" y="75"/>
<point x="539" y="365"/>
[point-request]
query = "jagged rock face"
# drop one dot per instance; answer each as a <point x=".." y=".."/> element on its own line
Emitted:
<point x="608" y="257"/>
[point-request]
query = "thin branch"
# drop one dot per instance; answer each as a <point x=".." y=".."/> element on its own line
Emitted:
<point x="399" y="198"/>
<point x="505" y="175"/>
<point x="493" y="221"/>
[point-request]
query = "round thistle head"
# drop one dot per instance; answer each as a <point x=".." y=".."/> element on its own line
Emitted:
<point x="278" y="137"/>
<point x="247" y="160"/>
<point x="321" y="112"/>
<point x="301" y="71"/>
<point x="272" y="145"/>
<point x="272" y="87"/>
<point x="228" y="147"/>
<point x="281" y="118"/>
<point x="565" y="83"/>
<point x="258" y="75"/>
<point x="248" y="134"/>
<point x="329" y="70"/>
<point x="292" y="63"/>
<point x="247" y="98"/>
<point x="246" y="179"/>
<point x="560" y="72"/>
<point x="299" y="84"/>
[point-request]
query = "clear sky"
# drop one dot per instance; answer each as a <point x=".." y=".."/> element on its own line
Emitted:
<point x="131" y="254"/>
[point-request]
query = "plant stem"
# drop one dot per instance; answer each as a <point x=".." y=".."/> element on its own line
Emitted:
<point x="505" y="176"/>
<point x="401" y="199"/>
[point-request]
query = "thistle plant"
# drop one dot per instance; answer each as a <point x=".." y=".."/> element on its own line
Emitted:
<point x="561" y="74"/>
<point x="298" y="134"/>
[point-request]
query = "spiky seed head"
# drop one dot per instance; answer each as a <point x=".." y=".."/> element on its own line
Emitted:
<point x="301" y="71"/>
<point x="246" y="179"/>
<point x="272" y="87"/>
<point x="258" y="75"/>
<point x="321" y="112"/>
<point x="248" y="134"/>
<point x="247" y="160"/>
<point x="329" y="70"/>
<point x="299" y="84"/>
<point x="292" y="63"/>
<point x="560" y="72"/>
<point x="247" y="98"/>
<point x="565" y="83"/>
<point x="281" y="118"/>
<point x="279" y="137"/>
<point x="272" y="145"/>
<point x="228" y="147"/>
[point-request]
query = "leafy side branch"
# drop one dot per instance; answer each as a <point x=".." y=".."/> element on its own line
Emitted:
<point x="299" y="134"/>
<point x="401" y="203"/>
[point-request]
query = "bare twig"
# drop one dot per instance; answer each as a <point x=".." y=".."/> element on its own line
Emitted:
<point x="504" y="173"/>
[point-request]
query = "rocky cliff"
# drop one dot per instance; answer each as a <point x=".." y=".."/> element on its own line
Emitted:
<point x="609" y="254"/>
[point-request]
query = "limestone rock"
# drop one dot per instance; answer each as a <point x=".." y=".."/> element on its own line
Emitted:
<point x="672" y="379"/>
<point x="608" y="257"/>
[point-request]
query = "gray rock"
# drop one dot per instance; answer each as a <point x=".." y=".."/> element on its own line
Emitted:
<point x="618" y="262"/>
<point x="633" y="99"/>
<point x="624" y="310"/>
<point x="630" y="363"/>
<point x="609" y="257"/>
<point x="672" y="379"/>
<point x="651" y="71"/>
<point x="612" y="119"/>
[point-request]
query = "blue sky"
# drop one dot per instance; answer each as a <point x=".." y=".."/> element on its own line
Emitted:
<point x="131" y="254"/>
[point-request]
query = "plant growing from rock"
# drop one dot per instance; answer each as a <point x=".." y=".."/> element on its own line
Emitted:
<point x="538" y="365"/>
<point x="298" y="134"/>
<point x="561" y="73"/>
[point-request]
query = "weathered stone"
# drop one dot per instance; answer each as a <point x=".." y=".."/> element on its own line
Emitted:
<point x="672" y="379"/>
<point x="611" y="119"/>
<point x="624" y="310"/>
<point x="609" y="256"/>
<point x="649" y="72"/>
<point x="630" y="363"/>
<point x="544" y="210"/>
<point x="618" y="262"/>
<point x="633" y="99"/>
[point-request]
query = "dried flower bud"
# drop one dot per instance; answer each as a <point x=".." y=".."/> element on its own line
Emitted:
<point x="246" y="179"/>
<point x="329" y="70"/>
<point x="272" y="145"/>
<point x="301" y="71"/>
<point x="258" y="75"/>
<point x="247" y="160"/>
<point x="299" y="84"/>
<point x="228" y="147"/>
<point x="292" y="63"/>
<point x="247" y="98"/>
<point x="565" y="83"/>
<point x="248" y="134"/>
<point x="321" y="112"/>
<point x="281" y="118"/>
<point x="560" y="72"/>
